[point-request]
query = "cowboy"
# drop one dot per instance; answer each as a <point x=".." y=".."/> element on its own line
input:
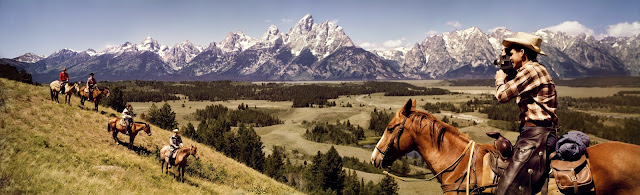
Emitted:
<point x="126" y="116"/>
<point x="91" y="83"/>
<point x="64" y="79"/>
<point x="535" y="94"/>
<point x="176" y="143"/>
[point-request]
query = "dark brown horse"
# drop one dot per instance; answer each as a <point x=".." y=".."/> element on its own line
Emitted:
<point x="114" y="124"/>
<point x="97" y="94"/>
<point x="615" y="166"/>
<point x="69" y="90"/>
<point x="180" y="161"/>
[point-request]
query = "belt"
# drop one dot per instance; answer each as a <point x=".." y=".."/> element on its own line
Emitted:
<point x="537" y="124"/>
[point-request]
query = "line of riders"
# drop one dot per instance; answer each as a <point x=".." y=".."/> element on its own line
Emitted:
<point x="127" y="113"/>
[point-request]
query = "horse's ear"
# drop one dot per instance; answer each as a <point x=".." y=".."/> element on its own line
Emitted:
<point x="409" y="107"/>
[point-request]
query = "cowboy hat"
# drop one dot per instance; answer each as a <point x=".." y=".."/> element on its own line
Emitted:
<point x="175" y="130"/>
<point x="525" y="39"/>
<point x="91" y="73"/>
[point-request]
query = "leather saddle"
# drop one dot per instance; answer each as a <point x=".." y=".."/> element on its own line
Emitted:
<point x="122" y="122"/>
<point x="501" y="157"/>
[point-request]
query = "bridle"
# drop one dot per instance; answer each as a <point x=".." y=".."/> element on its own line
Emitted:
<point x="397" y="139"/>
<point x="469" y="148"/>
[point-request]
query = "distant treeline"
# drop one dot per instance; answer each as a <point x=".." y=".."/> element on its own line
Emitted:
<point x="339" y="133"/>
<point x="244" y="115"/>
<point x="622" y="102"/>
<point x="301" y="95"/>
<point x="578" y="82"/>
<point x="12" y="73"/>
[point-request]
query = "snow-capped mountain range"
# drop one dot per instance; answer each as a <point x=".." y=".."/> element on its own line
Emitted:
<point x="322" y="51"/>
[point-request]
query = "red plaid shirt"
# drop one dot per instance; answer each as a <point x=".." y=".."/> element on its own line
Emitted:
<point x="535" y="92"/>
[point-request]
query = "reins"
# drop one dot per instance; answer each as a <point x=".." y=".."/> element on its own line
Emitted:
<point x="471" y="144"/>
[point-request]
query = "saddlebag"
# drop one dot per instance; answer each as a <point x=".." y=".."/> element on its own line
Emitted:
<point x="573" y="177"/>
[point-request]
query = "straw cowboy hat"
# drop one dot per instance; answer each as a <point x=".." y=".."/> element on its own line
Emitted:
<point x="525" y="39"/>
<point x="175" y="130"/>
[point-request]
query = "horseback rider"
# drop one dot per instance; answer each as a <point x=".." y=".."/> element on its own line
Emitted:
<point x="536" y="96"/>
<point x="91" y="84"/>
<point x="176" y="143"/>
<point x="64" y="79"/>
<point x="128" y="119"/>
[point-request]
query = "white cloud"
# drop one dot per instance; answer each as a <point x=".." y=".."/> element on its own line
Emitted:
<point x="455" y="24"/>
<point x="496" y="29"/>
<point x="431" y="33"/>
<point x="393" y="43"/>
<point x="335" y="21"/>
<point x="572" y="28"/>
<point x="624" y="29"/>
<point x="370" y="46"/>
<point x="286" y="21"/>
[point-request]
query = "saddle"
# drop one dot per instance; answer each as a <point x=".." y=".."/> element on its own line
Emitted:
<point x="573" y="177"/>
<point x="501" y="157"/>
<point x="122" y="122"/>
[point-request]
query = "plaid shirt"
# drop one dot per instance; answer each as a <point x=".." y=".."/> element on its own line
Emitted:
<point x="535" y="92"/>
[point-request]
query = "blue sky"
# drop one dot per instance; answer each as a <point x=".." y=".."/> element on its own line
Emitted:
<point x="45" y="26"/>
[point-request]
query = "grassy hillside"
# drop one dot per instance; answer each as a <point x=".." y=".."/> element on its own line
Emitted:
<point x="50" y="148"/>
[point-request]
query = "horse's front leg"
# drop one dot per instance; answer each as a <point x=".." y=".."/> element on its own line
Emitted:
<point x="96" y="103"/>
<point x="115" y="136"/>
<point x="131" y="138"/>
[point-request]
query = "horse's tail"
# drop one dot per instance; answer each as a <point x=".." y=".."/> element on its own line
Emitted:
<point x="109" y="126"/>
<point x="51" y="93"/>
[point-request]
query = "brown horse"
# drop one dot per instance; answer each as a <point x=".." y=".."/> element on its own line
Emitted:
<point x="97" y="94"/>
<point x="114" y="124"/>
<point x="69" y="90"/>
<point x="615" y="166"/>
<point x="180" y="161"/>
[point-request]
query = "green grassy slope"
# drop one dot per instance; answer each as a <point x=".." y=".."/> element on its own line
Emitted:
<point x="50" y="148"/>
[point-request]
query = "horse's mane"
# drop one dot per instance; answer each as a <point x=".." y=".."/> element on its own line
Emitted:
<point x="422" y="121"/>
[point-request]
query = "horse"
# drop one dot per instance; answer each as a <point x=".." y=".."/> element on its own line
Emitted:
<point x="69" y="90"/>
<point x="453" y="155"/>
<point x="97" y="94"/>
<point x="135" y="129"/>
<point x="180" y="161"/>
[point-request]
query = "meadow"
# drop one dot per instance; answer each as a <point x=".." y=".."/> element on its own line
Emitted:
<point x="50" y="148"/>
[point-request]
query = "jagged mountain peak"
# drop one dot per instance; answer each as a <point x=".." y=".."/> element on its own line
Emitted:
<point x="237" y="41"/>
<point x="29" y="58"/>
<point x="304" y="25"/>
<point x="272" y="33"/>
<point x="149" y="44"/>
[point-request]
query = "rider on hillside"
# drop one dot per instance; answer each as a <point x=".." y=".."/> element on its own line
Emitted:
<point x="536" y="96"/>
<point x="64" y="79"/>
<point x="128" y="119"/>
<point x="176" y="143"/>
<point x="91" y="83"/>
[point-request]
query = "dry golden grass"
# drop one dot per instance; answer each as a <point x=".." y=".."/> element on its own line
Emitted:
<point x="50" y="148"/>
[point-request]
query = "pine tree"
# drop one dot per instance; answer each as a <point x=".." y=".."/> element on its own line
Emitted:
<point x="274" y="165"/>
<point x="388" y="186"/>
<point x="190" y="131"/>
<point x="115" y="99"/>
<point x="333" y="174"/>
<point x="250" y="148"/>
<point x="164" y="117"/>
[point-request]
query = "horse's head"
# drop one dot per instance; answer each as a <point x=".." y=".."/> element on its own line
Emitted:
<point x="194" y="151"/>
<point x="393" y="143"/>
<point x="147" y="129"/>
<point x="105" y="92"/>
<point x="75" y="87"/>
